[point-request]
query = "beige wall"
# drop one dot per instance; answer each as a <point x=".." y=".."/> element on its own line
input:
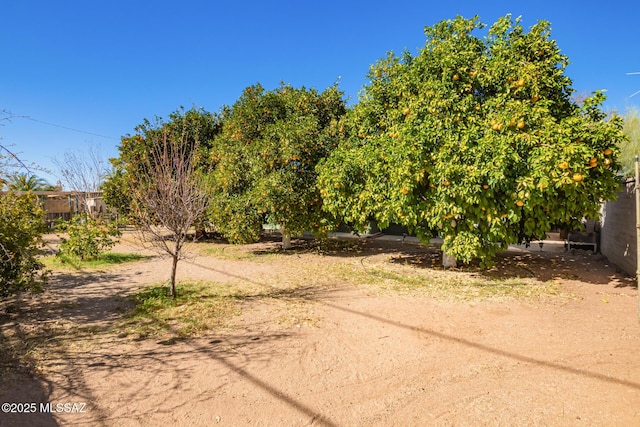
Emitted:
<point x="618" y="234"/>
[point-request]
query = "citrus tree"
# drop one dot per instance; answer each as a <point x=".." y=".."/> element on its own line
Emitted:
<point x="265" y="160"/>
<point x="476" y="139"/>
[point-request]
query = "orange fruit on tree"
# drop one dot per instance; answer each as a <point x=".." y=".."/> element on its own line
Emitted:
<point x="563" y="165"/>
<point x="520" y="125"/>
<point x="520" y="203"/>
<point x="456" y="77"/>
<point x="577" y="177"/>
<point x="607" y="152"/>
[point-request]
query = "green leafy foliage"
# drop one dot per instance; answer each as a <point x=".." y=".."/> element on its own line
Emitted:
<point x="88" y="237"/>
<point x="265" y="158"/>
<point x="21" y="229"/>
<point x="116" y="191"/>
<point x="476" y="139"/>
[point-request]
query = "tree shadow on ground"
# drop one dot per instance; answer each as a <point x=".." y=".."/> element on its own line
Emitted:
<point x="534" y="262"/>
<point x="82" y="309"/>
<point x="539" y="265"/>
<point x="593" y="374"/>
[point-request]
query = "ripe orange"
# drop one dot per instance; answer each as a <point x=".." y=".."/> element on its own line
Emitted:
<point x="520" y="203"/>
<point x="607" y="152"/>
<point x="520" y="124"/>
<point x="563" y="165"/>
<point x="456" y="77"/>
<point x="577" y="177"/>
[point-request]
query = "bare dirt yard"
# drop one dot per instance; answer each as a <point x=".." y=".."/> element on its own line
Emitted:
<point x="362" y="333"/>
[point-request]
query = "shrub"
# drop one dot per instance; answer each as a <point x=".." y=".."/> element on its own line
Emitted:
<point x="88" y="237"/>
<point x="21" y="229"/>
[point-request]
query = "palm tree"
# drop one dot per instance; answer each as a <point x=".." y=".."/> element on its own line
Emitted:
<point x="25" y="182"/>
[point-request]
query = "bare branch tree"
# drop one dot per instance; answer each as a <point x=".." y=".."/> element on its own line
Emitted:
<point x="169" y="196"/>
<point x="8" y="159"/>
<point x="82" y="173"/>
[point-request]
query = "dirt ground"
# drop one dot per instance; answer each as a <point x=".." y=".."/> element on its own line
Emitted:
<point x="338" y="354"/>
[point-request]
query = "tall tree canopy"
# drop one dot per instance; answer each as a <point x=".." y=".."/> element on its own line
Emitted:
<point x="475" y="138"/>
<point x="265" y="160"/>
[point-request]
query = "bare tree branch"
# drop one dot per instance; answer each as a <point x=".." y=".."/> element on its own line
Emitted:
<point x="12" y="160"/>
<point x="169" y="197"/>
<point x="82" y="173"/>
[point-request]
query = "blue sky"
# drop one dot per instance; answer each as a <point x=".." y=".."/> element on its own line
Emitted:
<point x="102" y="67"/>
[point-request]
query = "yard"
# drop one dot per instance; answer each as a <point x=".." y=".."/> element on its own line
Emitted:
<point x="347" y="333"/>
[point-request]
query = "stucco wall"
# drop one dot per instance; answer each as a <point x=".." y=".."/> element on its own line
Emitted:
<point x="618" y="233"/>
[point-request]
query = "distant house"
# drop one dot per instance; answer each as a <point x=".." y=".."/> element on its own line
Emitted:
<point x="66" y="204"/>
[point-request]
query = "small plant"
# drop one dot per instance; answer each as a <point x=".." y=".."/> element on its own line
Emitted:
<point x="88" y="237"/>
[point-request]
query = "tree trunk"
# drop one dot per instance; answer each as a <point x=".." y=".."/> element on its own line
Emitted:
<point x="448" y="261"/>
<point x="172" y="284"/>
<point x="286" y="239"/>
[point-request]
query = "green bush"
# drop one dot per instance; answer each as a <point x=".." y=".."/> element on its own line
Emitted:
<point x="88" y="237"/>
<point x="21" y="229"/>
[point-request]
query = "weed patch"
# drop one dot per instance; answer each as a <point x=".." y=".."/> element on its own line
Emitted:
<point x="65" y="262"/>
<point x="198" y="307"/>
